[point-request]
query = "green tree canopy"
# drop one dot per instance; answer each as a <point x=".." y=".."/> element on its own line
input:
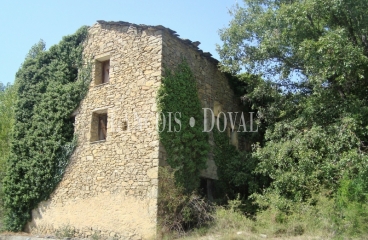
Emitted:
<point x="314" y="57"/>
<point x="325" y="41"/>
<point x="50" y="85"/>
<point x="36" y="49"/>
<point x="7" y="103"/>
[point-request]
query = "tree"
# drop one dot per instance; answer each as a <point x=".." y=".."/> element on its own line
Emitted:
<point x="7" y="103"/>
<point x="50" y="85"/>
<point x="315" y="52"/>
<point x="36" y="49"/>
<point x="322" y="40"/>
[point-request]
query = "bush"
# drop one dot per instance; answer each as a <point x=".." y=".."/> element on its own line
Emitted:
<point x="229" y="224"/>
<point x="65" y="231"/>
<point x="50" y="85"/>
<point x="283" y="217"/>
<point x="178" y="211"/>
<point x="351" y="216"/>
<point x="344" y="214"/>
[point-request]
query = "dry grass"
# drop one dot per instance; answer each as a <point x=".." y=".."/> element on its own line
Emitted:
<point x="230" y="224"/>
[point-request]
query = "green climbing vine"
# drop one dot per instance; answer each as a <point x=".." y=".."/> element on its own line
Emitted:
<point x="50" y="86"/>
<point x="235" y="169"/>
<point x="187" y="147"/>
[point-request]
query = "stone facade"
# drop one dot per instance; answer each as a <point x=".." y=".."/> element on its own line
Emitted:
<point x="111" y="184"/>
<point x="213" y="86"/>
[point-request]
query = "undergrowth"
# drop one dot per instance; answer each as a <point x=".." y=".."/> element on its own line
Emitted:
<point x="323" y="217"/>
<point x="179" y="211"/>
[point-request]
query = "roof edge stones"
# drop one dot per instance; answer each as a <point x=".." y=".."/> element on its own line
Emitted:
<point x="187" y="42"/>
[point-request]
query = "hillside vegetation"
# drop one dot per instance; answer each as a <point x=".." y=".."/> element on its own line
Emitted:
<point x="307" y="78"/>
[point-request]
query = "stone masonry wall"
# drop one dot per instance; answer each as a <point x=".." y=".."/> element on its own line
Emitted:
<point x="110" y="186"/>
<point x="213" y="87"/>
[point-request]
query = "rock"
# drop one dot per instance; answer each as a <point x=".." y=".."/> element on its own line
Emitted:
<point x="150" y="83"/>
<point x="196" y="43"/>
<point x="152" y="173"/>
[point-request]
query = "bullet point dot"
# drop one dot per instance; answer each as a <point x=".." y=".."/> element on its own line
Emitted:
<point x="192" y="121"/>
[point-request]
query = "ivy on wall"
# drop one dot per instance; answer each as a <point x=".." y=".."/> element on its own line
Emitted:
<point x="187" y="147"/>
<point x="235" y="169"/>
<point x="50" y="86"/>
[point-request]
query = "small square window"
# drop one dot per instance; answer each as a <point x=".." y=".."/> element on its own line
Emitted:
<point x="102" y="126"/>
<point x="102" y="71"/>
<point x="106" y="71"/>
<point x="99" y="127"/>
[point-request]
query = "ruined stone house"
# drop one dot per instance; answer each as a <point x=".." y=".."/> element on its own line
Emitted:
<point x="111" y="183"/>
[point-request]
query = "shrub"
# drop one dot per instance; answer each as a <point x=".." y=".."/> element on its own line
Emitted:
<point x="50" y="86"/>
<point x="177" y="210"/>
<point x="351" y="216"/>
<point x="235" y="169"/>
<point x="65" y="231"/>
<point x="228" y="223"/>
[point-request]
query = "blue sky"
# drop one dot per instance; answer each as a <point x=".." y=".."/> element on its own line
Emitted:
<point x="24" y="23"/>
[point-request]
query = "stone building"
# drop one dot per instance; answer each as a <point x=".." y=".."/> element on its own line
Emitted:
<point x="111" y="183"/>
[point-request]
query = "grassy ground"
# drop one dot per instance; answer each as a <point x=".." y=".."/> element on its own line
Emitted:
<point x="306" y="222"/>
<point x="232" y="225"/>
